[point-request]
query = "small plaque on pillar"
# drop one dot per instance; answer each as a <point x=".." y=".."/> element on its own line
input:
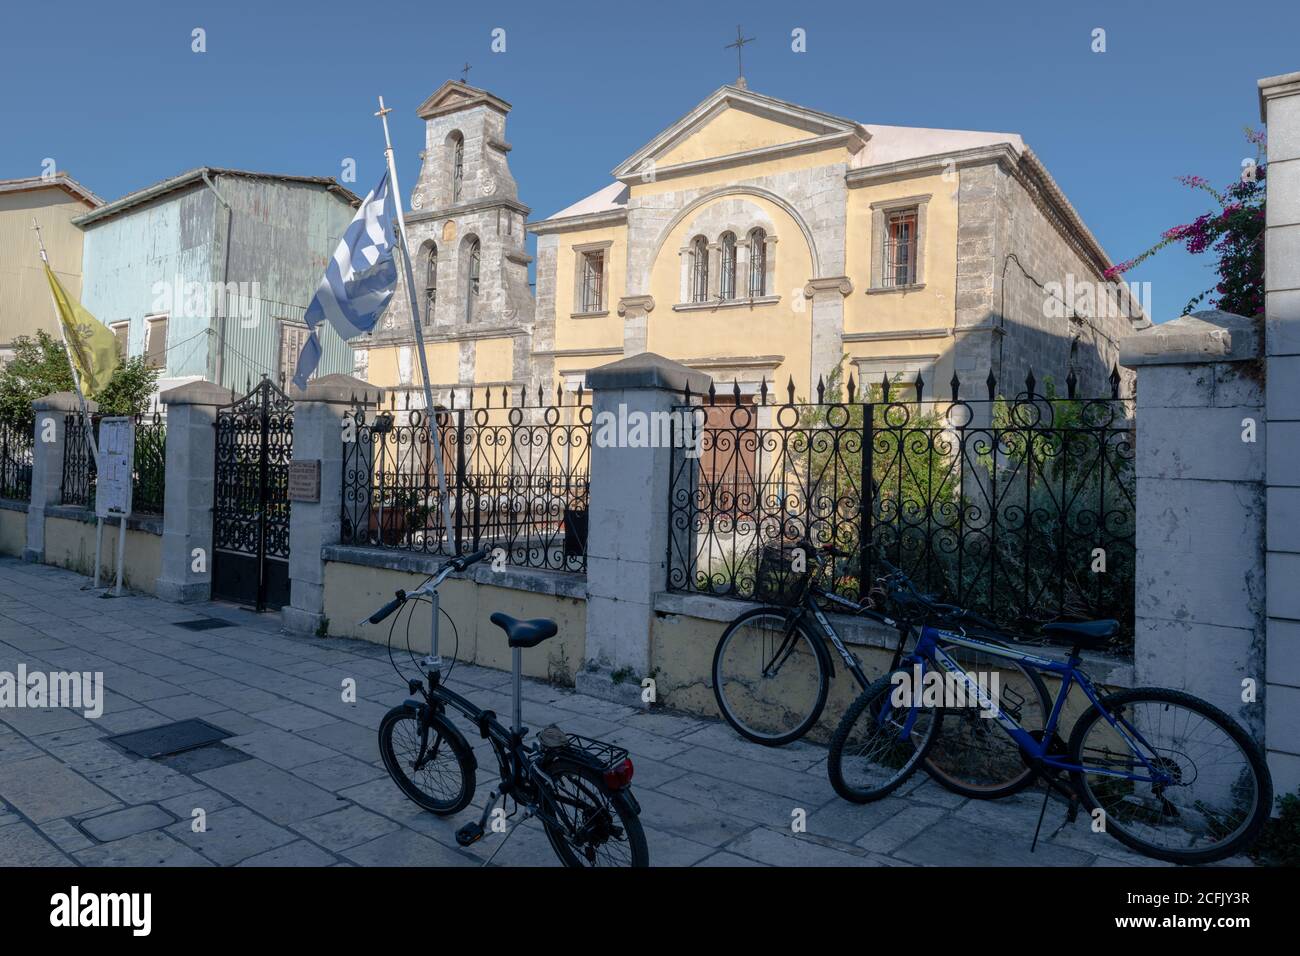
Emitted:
<point x="304" y="480"/>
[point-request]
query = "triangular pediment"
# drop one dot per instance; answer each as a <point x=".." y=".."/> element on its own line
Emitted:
<point x="736" y="123"/>
<point x="454" y="95"/>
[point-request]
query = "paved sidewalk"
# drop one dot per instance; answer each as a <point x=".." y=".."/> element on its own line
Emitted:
<point x="302" y="783"/>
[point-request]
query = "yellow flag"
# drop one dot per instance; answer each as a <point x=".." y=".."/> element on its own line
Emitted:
<point x="91" y="344"/>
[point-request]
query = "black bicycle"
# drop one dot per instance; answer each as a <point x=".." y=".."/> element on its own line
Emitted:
<point x="772" y="671"/>
<point x="579" y="788"/>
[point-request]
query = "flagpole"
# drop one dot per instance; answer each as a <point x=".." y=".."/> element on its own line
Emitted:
<point x="67" y="350"/>
<point x="431" y="419"/>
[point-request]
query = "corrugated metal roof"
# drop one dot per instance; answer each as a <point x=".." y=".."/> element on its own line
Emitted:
<point x="189" y="177"/>
<point x="60" y="180"/>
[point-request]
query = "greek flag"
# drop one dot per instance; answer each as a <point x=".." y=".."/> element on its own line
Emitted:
<point x="358" y="282"/>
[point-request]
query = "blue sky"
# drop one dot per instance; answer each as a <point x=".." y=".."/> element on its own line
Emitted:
<point x="114" y="94"/>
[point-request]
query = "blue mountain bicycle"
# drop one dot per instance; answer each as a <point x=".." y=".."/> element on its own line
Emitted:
<point x="1176" y="778"/>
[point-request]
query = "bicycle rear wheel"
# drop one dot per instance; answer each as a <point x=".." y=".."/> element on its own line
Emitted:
<point x="972" y="755"/>
<point x="598" y="826"/>
<point x="874" y="750"/>
<point x="770" y="681"/>
<point x="1219" y="791"/>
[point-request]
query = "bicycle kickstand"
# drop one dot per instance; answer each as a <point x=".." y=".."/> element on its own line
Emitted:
<point x="1071" y="813"/>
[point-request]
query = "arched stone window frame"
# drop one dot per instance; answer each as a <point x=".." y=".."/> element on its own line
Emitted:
<point x="738" y="214"/>
<point x="456" y="165"/>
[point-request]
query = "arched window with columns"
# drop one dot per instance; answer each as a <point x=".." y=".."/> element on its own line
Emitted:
<point x="727" y="268"/>
<point x="757" y="263"/>
<point x="699" y="269"/>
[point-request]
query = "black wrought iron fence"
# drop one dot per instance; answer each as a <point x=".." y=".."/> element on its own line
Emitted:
<point x="15" y="462"/>
<point x="1021" y="507"/>
<point x="148" y="477"/>
<point x="517" y="479"/>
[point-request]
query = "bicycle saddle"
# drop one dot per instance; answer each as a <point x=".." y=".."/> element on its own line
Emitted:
<point x="1083" y="633"/>
<point x="524" y="633"/>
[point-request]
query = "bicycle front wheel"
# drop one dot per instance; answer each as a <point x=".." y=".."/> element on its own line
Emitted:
<point x="770" y="678"/>
<point x="594" y="826"/>
<point x="877" y="745"/>
<point x="1213" y="791"/>
<point x="439" y="775"/>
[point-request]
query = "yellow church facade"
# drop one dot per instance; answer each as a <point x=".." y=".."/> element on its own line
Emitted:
<point x="761" y="242"/>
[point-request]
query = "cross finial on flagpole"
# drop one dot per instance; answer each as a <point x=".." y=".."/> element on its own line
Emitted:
<point x="464" y="72"/>
<point x="383" y="110"/>
<point x="40" y="240"/>
<point x="739" y="45"/>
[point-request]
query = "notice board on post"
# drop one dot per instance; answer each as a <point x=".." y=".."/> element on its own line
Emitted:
<point x="116" y="458"/>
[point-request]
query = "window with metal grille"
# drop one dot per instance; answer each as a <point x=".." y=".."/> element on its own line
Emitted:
<point x="757" y="263"/>
<point x="727" y="278"/>
<point x="430" y="284"/>
<point x="292" y="338"/>
<point x="593" y="274"/>
<point x="155" y="341"/>
<point x="457" y="165"/>
<point x="699" y="269"/>
<point x="900" y="248"/>
<point x="472" y="274"/>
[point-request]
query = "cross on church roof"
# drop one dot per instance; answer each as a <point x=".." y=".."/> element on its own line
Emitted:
<point x="741" y="40"/>
<point x="464" y="73"/>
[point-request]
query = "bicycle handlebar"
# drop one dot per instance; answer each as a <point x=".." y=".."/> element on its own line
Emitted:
<point x="459" y="563"/>
<point x="388" y="608"/>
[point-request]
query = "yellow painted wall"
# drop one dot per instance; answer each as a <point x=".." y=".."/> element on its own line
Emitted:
<point x="930" y="307"/>
<point x="494" y="360"/>
<point x="444" y="364"/>
<point x="25" y="304"/>
<point x="71" y="544"/>
<point x="13" y="532"/>
<point x="353" y="592"/>
<point x="731" y="131"/>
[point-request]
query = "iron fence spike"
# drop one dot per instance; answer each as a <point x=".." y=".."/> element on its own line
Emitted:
<point x="790" y="390"/>
<point x="713" y="394"/>
<point x="992" y="384"/>
<point x="852" y="388"/>
<point x="884" y="385"/>
<point x="920" y="385"/>
<point x="1030" y="382"/>
<point x="955" y="384"/>
<point x="821" y="391"/>
<point x="735" y="391"/>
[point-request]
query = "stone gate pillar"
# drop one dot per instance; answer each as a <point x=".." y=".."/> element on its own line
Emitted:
<point x="186" y="562"/>
<point x="627" y="538"/>
<point x="318" y="437"/>
<point x="47" y="464"/>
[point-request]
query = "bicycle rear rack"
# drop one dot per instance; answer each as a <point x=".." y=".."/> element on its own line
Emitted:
<point x="607" y="755"/>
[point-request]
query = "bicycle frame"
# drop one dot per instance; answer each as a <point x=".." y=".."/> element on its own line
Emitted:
<point x="809" y="605"/>
<point x="1036" y="751"/>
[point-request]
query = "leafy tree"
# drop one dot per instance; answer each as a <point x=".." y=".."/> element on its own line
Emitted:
<point x="40" y="367"/>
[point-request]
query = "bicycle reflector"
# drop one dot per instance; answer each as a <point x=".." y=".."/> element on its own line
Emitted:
<point x="620" y="775"/>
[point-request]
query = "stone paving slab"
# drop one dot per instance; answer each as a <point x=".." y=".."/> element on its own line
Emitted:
<point x="300" y="782"/>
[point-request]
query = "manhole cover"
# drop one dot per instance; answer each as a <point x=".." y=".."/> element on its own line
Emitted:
<point x="170" y="738"/>
<point x="204" y="624"/>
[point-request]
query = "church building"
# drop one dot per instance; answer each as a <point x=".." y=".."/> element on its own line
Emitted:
<point x="758" y="241"/>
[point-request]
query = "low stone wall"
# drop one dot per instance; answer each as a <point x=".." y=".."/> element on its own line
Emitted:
<point x="13" y="527"/>
<point x="70" y="543"/>
<point x="358" y="580"/>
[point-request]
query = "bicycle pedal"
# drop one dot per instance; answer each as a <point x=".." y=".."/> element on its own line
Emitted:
<point x="469" y="834"/>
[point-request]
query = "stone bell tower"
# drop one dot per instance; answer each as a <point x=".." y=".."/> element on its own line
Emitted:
<point x="466" y="229"/>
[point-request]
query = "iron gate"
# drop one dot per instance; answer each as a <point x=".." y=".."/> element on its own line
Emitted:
<point x="250" y="520"/>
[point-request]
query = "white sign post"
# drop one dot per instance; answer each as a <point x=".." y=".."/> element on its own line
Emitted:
<point x="113" y="486"/>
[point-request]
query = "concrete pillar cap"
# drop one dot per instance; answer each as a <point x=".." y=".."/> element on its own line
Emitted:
<point x="62" y="402"/>
<point x="648" y="370"/>
<point x="197" y="393"/>
<point x="1206" y="336"/>
<point x="337" y="389"/>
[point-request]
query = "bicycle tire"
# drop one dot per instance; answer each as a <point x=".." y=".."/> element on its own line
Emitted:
<point x="450" y="801"/>
<point x="836" y="758"/>
<point x="628" y="819"/>
<point x="1244" y="834"/>
<point x="819" y="658"/>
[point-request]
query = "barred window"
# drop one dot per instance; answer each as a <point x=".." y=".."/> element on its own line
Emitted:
<point x="457" y="166"/>
<point x="430" y="284"/>
<point x="593" y="273"/>
<point x="757" y="263"/>
<point x="699" y="269"/>
<point x="900" y="248"/>
<point x="727" y="278"/>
